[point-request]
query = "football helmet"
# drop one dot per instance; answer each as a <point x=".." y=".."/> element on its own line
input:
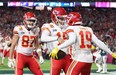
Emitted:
<point x="58" y="16"/>
<point x="29" y="20"/>
<point x="74" y="18"/>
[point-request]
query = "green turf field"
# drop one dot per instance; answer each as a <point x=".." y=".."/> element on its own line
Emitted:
<point x="46" y="66"/>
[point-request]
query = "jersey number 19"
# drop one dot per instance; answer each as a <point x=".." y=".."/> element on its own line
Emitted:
<point x="85" y="39"/>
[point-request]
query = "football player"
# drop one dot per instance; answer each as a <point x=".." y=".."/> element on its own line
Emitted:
<point x="82" y="37"/>
<point x="7" y="42"/>
<point x="97" y="58"/>
<point x="103" y="63"/>
<point x="1" y="48"/>
<point x="50" y="34"/>
<point x="26" y="38"/>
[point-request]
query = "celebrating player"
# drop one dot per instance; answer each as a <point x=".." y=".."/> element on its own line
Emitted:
<point x="26" y="38"/>
<point x="50" y="34"/>
<point x="82" y="37"/>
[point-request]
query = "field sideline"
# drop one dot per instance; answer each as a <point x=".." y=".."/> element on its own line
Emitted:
<point x="4" y="70"/>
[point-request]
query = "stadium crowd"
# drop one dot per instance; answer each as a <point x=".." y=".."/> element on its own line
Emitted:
<point x="102" y="21"/>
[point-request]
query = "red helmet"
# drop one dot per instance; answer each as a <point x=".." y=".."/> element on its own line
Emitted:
<point x="57" y="14"/>
<point x="30" y="19"/>
<point x="74" y="18"/>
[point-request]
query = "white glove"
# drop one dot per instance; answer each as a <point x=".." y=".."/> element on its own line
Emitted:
<point x="98" y="58"/>
<point x="11" y="63"/>
<point x="41" y="60"/>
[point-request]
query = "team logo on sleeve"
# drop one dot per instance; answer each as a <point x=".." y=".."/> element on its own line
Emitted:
<point x="54" y="30"/>
<point x="20" y="28"/>
<point x="22" y="32"/>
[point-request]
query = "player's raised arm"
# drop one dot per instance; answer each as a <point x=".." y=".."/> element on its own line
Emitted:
<point x="45" y="36"/>
<point x="101" y="45"/>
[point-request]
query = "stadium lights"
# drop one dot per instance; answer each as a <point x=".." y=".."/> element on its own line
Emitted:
<point x="1" y="3"/>
<point x="85" y="4"/>
<point x="113" y="4"/>
<point x="64" y="4"/>
<point x="39" y="7"/>
<point x="102" y="4"/>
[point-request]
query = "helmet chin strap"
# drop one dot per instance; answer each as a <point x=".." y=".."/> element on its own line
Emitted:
<point x="62" y="25"/>
<point x="29" y="26"/>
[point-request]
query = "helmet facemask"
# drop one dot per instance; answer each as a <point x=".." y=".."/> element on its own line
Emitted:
<point x="30" y="23"/>
<point x="61" y="21"/>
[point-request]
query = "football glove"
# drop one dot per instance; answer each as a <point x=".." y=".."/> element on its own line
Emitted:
<point x="92" y="47"/>
<point x="113" y="55"/>
<point x="11" y="63"/>
<point x="41" y="60"/>
<point x="54" y="52"/>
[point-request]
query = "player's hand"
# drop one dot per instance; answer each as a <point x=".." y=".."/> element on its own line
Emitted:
<point x="60" y="40"/>
<point x="92" y="47"/>
<point x="54" y="52"/>
<point x="11" y="63"/>
<point x="113" y="55"/>
<point x="97" y="59"/>
<point x="41" y="60"/>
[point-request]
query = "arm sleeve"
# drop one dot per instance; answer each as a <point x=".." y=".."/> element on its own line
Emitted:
<point x="45" y="37"/>
<point x="100" y="44"/>
<point x="70" y="41"/>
